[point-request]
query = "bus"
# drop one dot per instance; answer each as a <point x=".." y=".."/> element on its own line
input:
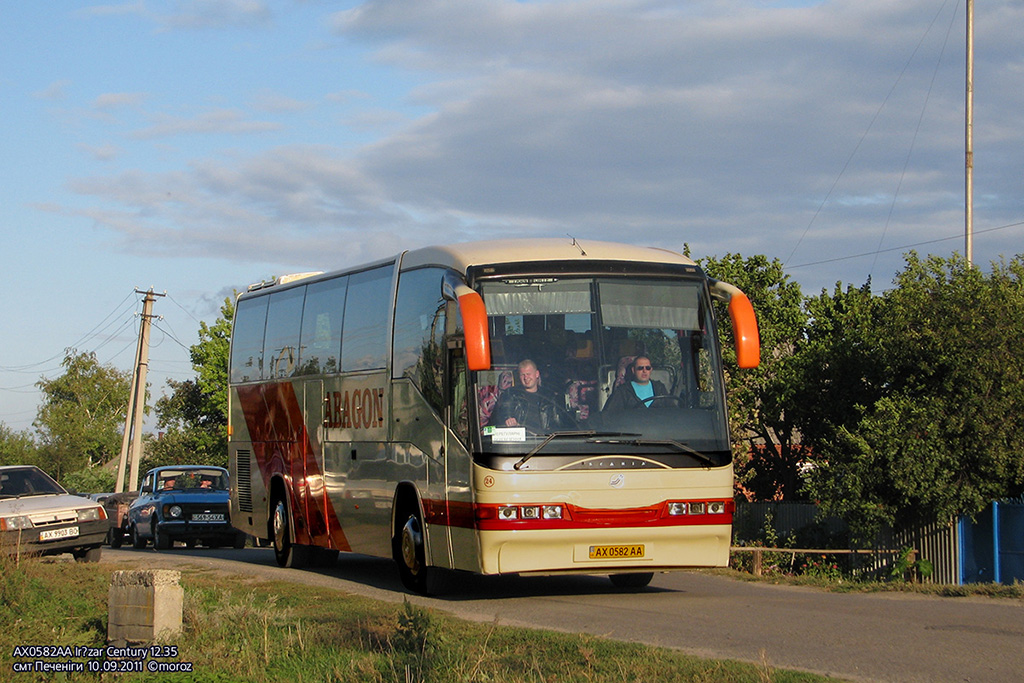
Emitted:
<point x="374" y="410"/>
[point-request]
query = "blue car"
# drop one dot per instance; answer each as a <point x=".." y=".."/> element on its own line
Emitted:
<point x="187" y="503"/>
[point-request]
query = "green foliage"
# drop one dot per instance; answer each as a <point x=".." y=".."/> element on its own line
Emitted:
<point x="238" y="630"/>
<point x="89" y="480"/>
<point x="193" y="419"/>
<point x="909" y="567"/>
<point x="210" y="359"/>
<point x="914" y="400"/>
<point x="759" y="399"/>
<point x="82" y="415"/>
<point x="17" y="448"/>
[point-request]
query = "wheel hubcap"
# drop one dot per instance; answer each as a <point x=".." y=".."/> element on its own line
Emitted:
<point x="411" y="540"/>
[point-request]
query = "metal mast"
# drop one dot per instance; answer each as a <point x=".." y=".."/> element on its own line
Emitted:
<point x="969" y="142"/>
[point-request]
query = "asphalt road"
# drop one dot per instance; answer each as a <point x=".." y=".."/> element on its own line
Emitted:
<point x="861" y="637"/>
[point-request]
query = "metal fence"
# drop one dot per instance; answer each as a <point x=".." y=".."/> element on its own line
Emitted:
<point x="801" y="525"/>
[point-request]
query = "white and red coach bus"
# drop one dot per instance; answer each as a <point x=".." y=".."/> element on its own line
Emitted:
<point x="370" y="412"/>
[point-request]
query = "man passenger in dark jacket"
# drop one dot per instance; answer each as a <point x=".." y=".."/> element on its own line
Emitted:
<point x="525" y="405"/>
<point x="639" y="392"/>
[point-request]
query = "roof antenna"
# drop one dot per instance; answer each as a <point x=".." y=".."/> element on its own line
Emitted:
<point x="576" y="244"/>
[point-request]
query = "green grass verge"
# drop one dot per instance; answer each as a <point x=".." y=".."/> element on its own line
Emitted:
<point x="238" y="630"/>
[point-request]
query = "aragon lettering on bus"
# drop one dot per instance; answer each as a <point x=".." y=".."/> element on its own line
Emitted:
<point x="355" y="409"/>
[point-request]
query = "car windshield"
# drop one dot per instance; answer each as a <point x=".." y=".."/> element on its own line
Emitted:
<point x="187" y="479"/>
<point x="612" y="366"/>
<point x="27" y="481"/>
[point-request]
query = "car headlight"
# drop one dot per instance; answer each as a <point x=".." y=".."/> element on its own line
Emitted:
<point x="174" y="511"/>
<point x="14" y="523"/>
<point x="89" y="515"/>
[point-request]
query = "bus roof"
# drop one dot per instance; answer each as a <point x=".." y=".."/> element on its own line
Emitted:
<point x="462" y="256"/>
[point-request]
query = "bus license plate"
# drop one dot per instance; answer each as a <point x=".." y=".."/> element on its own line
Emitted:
<point x="611" y="552"/>
<point x="208" y="517"/>
<point x="54" y="534"/>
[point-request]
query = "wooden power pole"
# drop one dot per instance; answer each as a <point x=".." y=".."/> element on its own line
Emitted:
<point x="131" y="441"/>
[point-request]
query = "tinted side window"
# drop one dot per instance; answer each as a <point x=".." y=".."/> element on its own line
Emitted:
<point x="247" y="340"/>
<point x="366" y="319"/>
<point x="281" y="347"/>
<point x="321" y="327"/>
<point x="419" y="331"/>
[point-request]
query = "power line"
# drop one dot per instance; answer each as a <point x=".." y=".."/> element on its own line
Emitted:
<point x="906" y="246"/>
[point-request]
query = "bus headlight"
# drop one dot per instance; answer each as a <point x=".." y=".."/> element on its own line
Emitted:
<point x="530" y="511"/>
<point x="507" y="512"/>
<point x="552" y="512"/>
<point x="698" y="508"/>
<point x="716" y="507"/>
<point x="677" y="508"/>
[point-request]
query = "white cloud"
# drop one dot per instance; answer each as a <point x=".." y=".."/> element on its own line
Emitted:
<point x="220" y="121"/>
<point x="721" y="124"/>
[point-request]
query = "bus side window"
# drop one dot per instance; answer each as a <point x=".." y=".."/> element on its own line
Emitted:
<point x="418" y="345"/>
<point x="247" y="339"/>
<point x="281" y="345"/>
<point x="459" y="395"/>
<point x="366" y="319"/>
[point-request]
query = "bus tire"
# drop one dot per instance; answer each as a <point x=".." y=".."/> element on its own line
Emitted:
<point x="631" y="580"/>
<point x="411" y="557"/>
<point x="286" y="551"/>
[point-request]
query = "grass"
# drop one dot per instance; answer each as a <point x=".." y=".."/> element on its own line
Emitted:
<point x="263" y="632"/>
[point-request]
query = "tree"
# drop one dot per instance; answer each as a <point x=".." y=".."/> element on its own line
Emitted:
<point x="83" y="412"/>
<point x="194" y="417"/>
<point x="767" y="446"/>
<point x="16" y="448"/>
<point x="919" y="414"/>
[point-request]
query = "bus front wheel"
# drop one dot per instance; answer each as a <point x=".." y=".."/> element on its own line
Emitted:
<point x="410" y="555"/>
<point x="286" y="551"/>
<point x="631" y="580"/>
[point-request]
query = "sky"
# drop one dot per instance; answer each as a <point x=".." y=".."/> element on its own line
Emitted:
<point x="197" y="146"/>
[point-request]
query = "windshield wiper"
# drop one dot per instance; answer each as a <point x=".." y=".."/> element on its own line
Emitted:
<point x="560" y="435"/>
<point x="661" y="442"/>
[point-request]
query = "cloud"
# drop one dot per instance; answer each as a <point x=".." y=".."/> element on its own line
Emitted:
<point x="214" y="14"/>
<point x="55" y="91"/>
<point x="732" y="126"/>
<point x="109" y="101"/>
<point x="220" y="121"/>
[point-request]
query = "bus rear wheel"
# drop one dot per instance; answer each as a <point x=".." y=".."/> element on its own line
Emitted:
<point x="286" y="551"/>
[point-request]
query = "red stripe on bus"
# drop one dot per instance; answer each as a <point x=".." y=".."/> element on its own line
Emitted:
<point x="484" y="517"/>
<point x="283" y="447"/>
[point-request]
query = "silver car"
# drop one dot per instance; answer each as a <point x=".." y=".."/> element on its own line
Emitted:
<point x="38" y="516"/>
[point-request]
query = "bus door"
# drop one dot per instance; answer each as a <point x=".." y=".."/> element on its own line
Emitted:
<point x="458" y="465"/>
<point x="316" y="473"/>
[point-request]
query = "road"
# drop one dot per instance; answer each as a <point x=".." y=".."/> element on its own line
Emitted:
<point x="860" y="637"/>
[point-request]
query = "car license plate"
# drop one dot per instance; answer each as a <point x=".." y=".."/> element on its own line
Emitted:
<point x="54" y="534"/>
<point x="611" y="552"/>
<point x="208" y="517"/>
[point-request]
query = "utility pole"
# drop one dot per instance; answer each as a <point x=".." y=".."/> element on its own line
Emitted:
<point x="131" y="441"/>
<point x="969" y="142"/>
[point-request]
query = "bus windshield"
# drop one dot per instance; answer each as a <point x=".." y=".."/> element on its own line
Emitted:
<point x="585" y="368"/>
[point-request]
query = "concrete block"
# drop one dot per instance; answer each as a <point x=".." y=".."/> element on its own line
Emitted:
<point x="144" y="606"/>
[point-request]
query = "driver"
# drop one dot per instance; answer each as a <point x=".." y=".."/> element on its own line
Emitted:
<point x="639" y="392"/>
<point x="526" y="405"/>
